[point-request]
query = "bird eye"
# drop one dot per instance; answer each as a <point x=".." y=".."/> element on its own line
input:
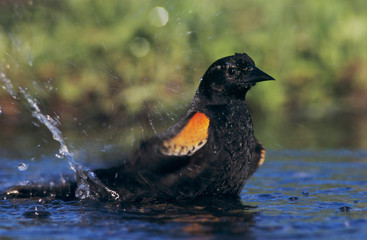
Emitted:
<point x="247" y="70"/>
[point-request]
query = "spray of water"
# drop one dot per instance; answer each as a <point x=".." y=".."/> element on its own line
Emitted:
<point x="86" y="177"/>
<point x="51" y="124"/>
<point x="8" y="86"/>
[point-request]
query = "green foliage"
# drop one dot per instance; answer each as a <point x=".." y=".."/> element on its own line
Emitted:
<point x="110" y="56"/>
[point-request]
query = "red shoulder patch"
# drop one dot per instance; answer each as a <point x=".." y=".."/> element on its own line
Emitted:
<point x="190" y="139"/>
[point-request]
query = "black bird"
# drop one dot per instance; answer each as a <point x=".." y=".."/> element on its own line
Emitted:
<point x="212" y="151"/>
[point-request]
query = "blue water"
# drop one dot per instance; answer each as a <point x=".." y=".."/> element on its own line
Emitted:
<point x="294" y="195"/>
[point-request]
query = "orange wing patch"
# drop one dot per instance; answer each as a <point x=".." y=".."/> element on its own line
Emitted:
<point x="190" y="139"/>
<point x="262" y="157"/>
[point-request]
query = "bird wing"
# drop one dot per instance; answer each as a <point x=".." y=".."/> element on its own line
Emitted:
<point x="189" y="139"/>
<point x="172" y="150"/>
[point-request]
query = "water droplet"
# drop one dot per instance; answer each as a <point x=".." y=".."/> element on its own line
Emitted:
<point x="35" y="124"/>
<point x="305" y="194"/>
<point x="158" y="16"/>
<point x="345" y="209"/>
<point x="293" y="198"/>
<point x="140" y="47"/>
<point x="22" y="166"/>
<point x="36" y="211"/>
<point x="218" y="13"/>
<point x="151" y="124"/>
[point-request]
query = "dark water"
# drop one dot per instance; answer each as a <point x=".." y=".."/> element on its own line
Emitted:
<point x="295" y="195"/>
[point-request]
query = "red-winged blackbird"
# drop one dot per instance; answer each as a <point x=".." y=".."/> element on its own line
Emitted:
<point x="211" y="151"/>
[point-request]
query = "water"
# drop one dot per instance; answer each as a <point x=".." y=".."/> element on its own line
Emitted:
<point x="85" y="175"/>
<point x="295" y="194"/>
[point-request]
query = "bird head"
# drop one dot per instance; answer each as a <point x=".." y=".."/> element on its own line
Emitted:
<point x="232" y="77"/>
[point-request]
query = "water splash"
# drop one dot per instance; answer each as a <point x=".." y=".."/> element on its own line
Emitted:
<point x="8" y="86"/>
<point x="37" y="211"/>
<point x="50" y="123"/>
<point x="86" y="177"/>
<point x="151" y="123"/>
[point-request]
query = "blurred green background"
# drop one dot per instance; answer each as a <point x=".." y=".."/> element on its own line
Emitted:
<point x="118" y="71"/>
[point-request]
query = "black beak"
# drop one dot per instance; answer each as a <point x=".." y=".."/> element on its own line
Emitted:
<point x="256" y="75"/>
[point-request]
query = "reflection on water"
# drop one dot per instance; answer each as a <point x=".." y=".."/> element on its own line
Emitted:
<point x="309" y="194"/>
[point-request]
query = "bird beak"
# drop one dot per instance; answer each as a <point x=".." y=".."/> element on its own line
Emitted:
<point x="256" y="75"/>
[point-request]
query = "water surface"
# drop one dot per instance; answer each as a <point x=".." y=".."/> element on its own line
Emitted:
<point x="295" y="194"/>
